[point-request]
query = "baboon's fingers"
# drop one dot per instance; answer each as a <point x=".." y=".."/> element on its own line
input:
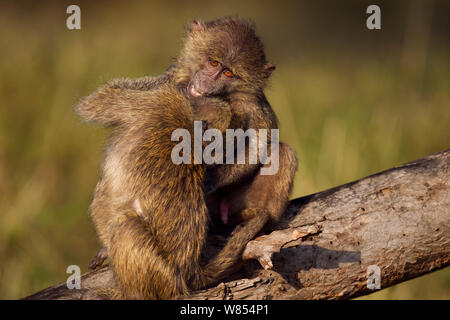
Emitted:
<point x="98" y="260"/>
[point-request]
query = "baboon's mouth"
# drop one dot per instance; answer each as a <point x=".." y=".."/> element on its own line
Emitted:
<point x="194" y="92"/>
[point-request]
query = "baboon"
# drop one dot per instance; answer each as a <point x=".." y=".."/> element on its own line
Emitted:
<point x="225" y="58"/>
<point x="152" y="215"/>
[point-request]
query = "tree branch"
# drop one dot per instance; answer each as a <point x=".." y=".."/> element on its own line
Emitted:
<point x="397" y="220"/>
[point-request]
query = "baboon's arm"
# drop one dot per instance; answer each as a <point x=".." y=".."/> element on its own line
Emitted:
<point x="119" y="100"/>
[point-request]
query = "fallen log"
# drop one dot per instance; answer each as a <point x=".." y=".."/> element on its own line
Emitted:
<point x="337" y="244"/>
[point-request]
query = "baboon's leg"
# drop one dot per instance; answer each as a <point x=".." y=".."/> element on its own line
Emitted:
<point x="141" y="271"/>
<point x="221" y="264"/>
<point x="266" y="192"/>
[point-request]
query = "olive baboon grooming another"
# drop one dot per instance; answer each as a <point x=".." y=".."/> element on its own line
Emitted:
<point x="150" y="214"/>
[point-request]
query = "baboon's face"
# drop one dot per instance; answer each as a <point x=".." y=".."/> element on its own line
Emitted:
<point x="224" y="57"/>
<point x="212" y="79"/>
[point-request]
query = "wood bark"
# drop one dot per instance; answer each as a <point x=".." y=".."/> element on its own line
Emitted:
<point x="329" y="245"/>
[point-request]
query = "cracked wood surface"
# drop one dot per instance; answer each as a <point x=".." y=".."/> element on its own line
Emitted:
<point x="397" y="220"/>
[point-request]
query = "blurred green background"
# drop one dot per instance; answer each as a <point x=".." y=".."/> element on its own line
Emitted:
<point x="351" y="101"/>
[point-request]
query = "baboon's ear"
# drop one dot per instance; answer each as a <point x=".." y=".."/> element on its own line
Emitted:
<point x="269" y="68"/>
<point x="197" y="25"/>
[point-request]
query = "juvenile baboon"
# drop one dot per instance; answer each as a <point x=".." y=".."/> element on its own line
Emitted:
<point x="225" y="58"/>
<point x="154" y="234"/>
<point x="150" y="213"/>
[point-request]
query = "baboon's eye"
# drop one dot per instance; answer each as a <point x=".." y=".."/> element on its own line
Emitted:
<point x="214" y="63"/>
<point x="228" y="73"/>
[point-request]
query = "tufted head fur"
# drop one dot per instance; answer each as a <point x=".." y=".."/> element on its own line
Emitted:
<point x="234" y="43"/>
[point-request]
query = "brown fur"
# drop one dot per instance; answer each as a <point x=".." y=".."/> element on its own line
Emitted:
<point x="155" y="246"/>
<point x="152" y="256"/>
<point x="234" y="43"/>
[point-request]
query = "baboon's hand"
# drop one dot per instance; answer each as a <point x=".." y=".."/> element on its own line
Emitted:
<point x="98" y="260"/>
